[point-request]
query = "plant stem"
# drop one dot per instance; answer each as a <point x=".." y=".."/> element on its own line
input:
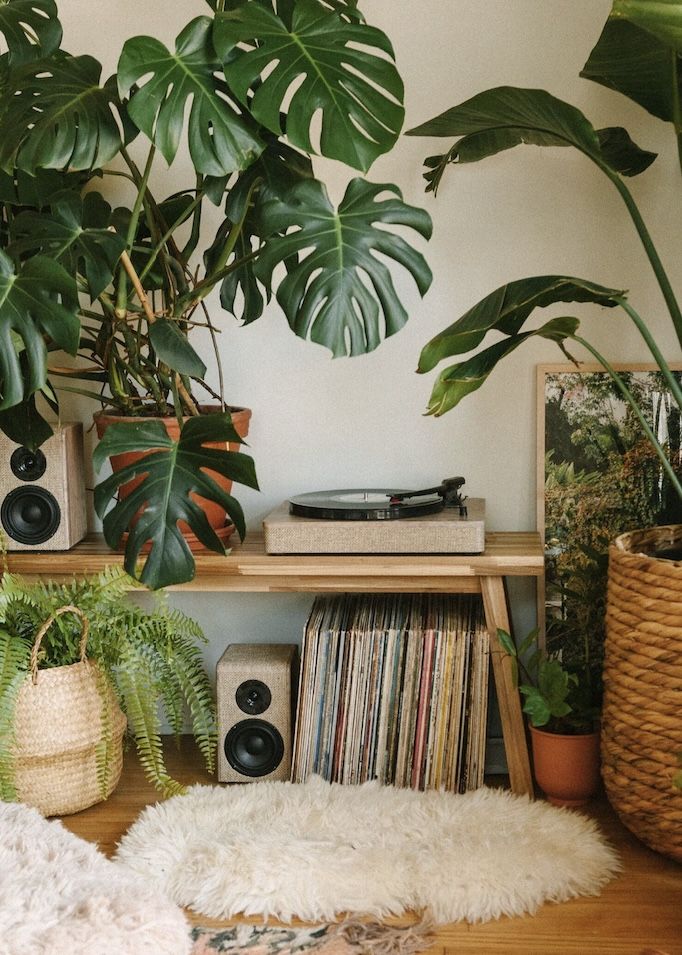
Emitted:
<point x="629" y="397"/>
<point x="168" y="233"/>
<point x="673" y="384"/>
<point x="677" y="112"/>
<point x="122" y="292"/>
<point x="650" y="249"/>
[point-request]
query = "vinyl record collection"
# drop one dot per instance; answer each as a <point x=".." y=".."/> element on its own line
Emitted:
<point x="394" y="688"/>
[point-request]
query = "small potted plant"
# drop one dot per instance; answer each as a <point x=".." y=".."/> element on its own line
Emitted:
<point x="561" y="703"/>
<point x="147" y="659"/>
<point x="123" y="288"/>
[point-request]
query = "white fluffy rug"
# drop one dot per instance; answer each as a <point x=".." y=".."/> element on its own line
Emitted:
<point x="316" y="850"/>
<point x="60" y="896"/>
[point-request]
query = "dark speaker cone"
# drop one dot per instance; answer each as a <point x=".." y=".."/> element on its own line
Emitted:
<point x="30" y="515"/>
<point x="28" y="465"/>
<point x="253" y="697"/>
<point x="254" y="747"/>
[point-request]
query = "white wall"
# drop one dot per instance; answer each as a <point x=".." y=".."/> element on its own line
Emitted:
<point x="320" y="423"/>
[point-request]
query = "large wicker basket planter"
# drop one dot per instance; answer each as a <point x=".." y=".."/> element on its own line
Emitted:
<point x="642" y="716"/>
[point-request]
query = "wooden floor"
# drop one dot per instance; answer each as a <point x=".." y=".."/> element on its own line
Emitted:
<point x="641" y="911"/>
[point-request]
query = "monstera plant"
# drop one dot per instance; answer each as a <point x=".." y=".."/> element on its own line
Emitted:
<point x="639" y="54"/>
<point x="254" y="88"/>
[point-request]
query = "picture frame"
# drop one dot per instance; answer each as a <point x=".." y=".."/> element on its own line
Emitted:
<point x="596" y="477"/>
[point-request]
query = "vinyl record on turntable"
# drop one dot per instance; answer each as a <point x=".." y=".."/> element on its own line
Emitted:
<point x="378" y="504"/>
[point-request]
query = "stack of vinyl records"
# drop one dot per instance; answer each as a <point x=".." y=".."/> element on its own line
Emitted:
<point x="394" y="688"/>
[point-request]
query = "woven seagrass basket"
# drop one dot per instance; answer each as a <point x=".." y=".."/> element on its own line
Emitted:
<point x="642" y="716"/>
<point x="63" y="716"/>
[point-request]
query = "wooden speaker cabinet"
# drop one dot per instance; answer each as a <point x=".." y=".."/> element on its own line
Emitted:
<point x="256" y="686"/>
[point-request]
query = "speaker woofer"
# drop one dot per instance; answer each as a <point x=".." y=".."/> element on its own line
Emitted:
<point x="28" y="465"/>
<point x="254" y="747"/>
<point x="30" y="515"/>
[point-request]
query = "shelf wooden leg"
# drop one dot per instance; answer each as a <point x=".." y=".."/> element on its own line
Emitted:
<point x="513" y="731"/>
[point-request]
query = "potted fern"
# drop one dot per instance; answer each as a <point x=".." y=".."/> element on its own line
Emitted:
<point x="122" y="288"/>
<point x="149" y="660"/>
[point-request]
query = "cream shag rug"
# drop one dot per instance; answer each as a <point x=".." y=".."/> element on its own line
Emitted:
<point x="60" y="896"/>
<point x="315" y="850"/>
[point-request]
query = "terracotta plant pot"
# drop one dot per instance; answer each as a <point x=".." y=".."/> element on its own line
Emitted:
<point x="566" y="767"/>
<point x="215" y="514"/>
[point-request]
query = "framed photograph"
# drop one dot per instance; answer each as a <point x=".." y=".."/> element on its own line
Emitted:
<point x="597" y="476"/>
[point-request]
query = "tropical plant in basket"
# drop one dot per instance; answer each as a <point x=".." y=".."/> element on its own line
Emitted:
<point x="149" y="657"/>
<point x="639" y="54"/>
<point x="254" y="88"/>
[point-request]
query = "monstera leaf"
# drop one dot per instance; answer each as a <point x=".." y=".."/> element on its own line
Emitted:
<point x="220" y="139"/>
<point x="30" y="28"/>
<point x="340" y="68"/>
<point x="76" y="234"/>
<point x="59" y="116"/>
<point x="171" y="472"/>
<point x="507" y="116"/>
<point x="39" y="300"/>
<point x="505" y="310"/>
<point x="324" y="294"/>
<point x="638" y="54"/>
<point x="274" y="174"/>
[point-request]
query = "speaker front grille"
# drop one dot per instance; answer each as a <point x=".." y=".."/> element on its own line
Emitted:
<point x="254" y="748"/>
<point x="30" y="515"/>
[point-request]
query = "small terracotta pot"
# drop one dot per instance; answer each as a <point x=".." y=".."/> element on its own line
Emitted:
<point x="215" y="514"/>
<point x="566" y="767"/>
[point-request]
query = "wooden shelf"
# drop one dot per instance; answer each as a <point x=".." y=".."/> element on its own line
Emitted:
<point x="249" y="568"/>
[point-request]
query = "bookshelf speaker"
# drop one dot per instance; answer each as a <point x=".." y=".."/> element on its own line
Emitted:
<point x="256" y="685"/>
<point x="42" y="493"/>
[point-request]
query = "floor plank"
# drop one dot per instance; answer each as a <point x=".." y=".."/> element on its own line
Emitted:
<point x="641" y="910"/>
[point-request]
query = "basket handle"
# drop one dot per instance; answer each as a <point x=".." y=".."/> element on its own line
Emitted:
<point x="69" y="608"/>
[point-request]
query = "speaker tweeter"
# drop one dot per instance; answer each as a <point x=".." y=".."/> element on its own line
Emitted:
<point x="256" y="685"/>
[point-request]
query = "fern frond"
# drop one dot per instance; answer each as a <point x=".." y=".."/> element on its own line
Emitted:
<point x="104" y="750"/>
<point x="187" y="665"/>
<point x="139" y="691"/>
<point x="14" y="660"/>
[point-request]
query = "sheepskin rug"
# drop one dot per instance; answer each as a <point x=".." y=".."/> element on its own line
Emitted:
<point x="316" y="850"/>
<point x="60" y="896"/>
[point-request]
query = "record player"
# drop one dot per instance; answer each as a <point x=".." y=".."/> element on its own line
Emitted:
<point x="435" y="520"/>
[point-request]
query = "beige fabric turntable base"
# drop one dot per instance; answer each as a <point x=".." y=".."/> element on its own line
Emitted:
<point x="446" y="532"/>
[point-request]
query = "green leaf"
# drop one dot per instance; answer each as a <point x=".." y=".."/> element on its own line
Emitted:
<point x="507" y="116"/>
<point x="661" y="18"/>
<point x="220" y="139"/>
<point x="59" y="116"/>
<point x="457" y="381"/>
<point x="173" y="348"/>
<point x="24" y="424"/>
<point x="621" y="153"/>
<point x="324" y="296"/>
<point x="20" y="188"/>
<point x="507" y="308"/>
<point x="637" y="64"/>
<point x="274" y="174"/>
<point x="506" y="642"/>
<point x="171" y="472"/>
<point x="535" y="706"/>
<point x="342" y="69"/>
<point x="30" y="28"/>
<point x="76" y="234"/>
<point x="38" y="300"/>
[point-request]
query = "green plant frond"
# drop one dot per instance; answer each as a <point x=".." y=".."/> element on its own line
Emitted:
<point x="104" y="751"/>
<point x="139" y="690"/>
<point x="14" y="660"/>
<point x="190" y="673"/>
